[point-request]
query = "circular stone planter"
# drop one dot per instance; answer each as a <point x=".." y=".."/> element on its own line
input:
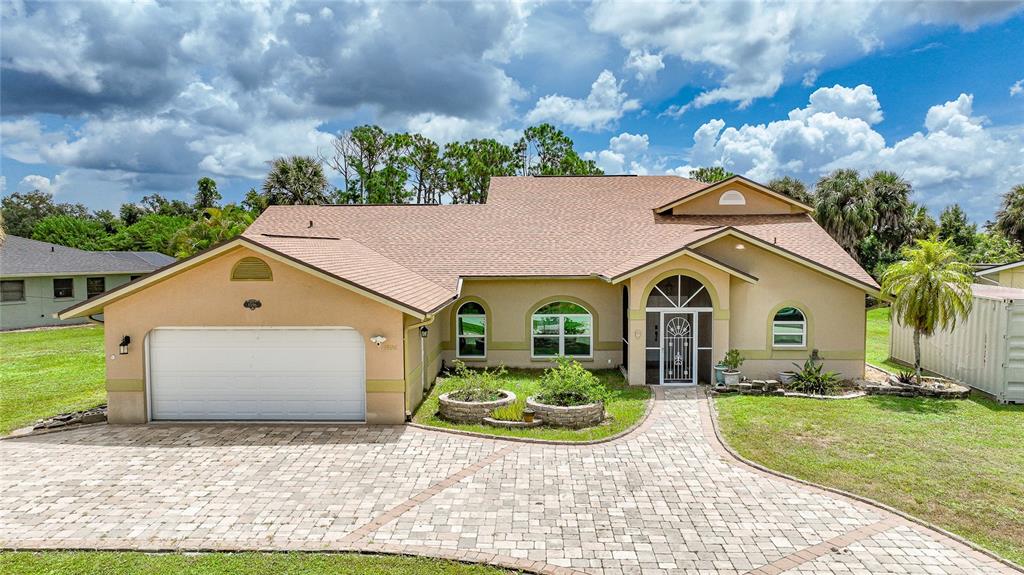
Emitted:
<point x="471" y="411"/>
<point x="574" y="417"/>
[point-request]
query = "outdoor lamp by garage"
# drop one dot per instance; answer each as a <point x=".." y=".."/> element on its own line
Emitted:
<point x="122" y="348"/>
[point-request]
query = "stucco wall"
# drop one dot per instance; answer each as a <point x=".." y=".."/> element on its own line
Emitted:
<point x="757" y="202"/>
<point x="834" y="311"/>
<point x="510" y="303"/>
<point x="418" y="348"/>
<point x="1012" y="278"/>
<point x="204" y="295"/>
<point x="40" y="305"/>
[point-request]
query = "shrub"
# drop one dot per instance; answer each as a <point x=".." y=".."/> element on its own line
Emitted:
<point x="512" y="411"/>
<point x="904" y="376"/>
<point x="475" y="385"/>
<point x="570" y="384"/>
<point x="733" y="360"/>
<point x="810" y="379"/>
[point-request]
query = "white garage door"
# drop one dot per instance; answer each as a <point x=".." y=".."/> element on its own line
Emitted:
<point x="290" y="374"/>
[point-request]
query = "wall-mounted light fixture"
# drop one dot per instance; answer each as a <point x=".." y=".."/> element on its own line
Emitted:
<point x="378" y="339"/>
<point x="424" y="331"/>
<point x="122" y="348"/>
<point x="252" y="304"/>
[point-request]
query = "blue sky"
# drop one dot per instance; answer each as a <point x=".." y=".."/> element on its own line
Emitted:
<point x="105" y="103"/>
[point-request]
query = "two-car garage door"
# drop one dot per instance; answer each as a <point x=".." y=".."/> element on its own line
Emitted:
<point x="284" y="374"/>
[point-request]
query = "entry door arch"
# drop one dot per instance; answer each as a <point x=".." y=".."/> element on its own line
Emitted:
<point x="679" y="331"/>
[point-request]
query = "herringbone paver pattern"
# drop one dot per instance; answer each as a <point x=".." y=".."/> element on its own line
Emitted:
<point x="663" y="499"/>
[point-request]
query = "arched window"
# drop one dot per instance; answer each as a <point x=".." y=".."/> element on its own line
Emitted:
<point x="471" y="327"/>
<point x="732" y="198"/>
<point x="679" y="291"/>
<point x="562" y="328"/>
<point x="789" y="328"/>
<point x="251" y="269"/>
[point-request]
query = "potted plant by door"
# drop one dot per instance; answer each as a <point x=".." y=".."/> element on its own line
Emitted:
<point x="720" y="373"/>
<point x="732" y="362"/>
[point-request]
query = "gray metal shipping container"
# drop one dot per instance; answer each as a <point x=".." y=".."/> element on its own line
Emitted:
<point x="985" y="352"/>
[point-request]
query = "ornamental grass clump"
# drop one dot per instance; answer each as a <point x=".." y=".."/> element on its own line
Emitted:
<point x="475" y="385"/>
<point x="810" y="379"/>
<point x="570" y="384"/>
<point x="511" y="412"/>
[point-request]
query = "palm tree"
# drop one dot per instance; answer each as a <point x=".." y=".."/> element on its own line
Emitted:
<point x="793" y="188"/>
<point x="932" y="290"/>
<point x="1010" y="217"/>
<point x="296" y="180"/>
<point x="890" y="195"/>
<point x="216" y="225"/>
<point x="844" y="208"/>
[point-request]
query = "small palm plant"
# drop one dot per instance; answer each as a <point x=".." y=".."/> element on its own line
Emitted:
<point x="932" y="290"/>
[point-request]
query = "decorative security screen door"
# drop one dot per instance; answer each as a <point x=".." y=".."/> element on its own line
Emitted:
<point x="678" y="349"/>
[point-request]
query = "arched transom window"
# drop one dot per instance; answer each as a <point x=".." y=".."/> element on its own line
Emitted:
<point x="562" y="328"/>
<point x="471" y="325"/>
<point x="789" y="328"/>
<point x="732" y="198"/>
<point x="679" y="291"/>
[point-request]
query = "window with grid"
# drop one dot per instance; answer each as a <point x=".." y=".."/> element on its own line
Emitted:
<point x="789" y="328"/>
<point x="562" y="329"/>
<point x="471" y="325"/>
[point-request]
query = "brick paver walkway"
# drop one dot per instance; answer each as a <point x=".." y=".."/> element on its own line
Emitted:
<point x="664" y="499"/>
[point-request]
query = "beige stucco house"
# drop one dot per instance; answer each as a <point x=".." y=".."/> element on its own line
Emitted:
<point x="347" y="312"/>
<point x="1009" y="275"/>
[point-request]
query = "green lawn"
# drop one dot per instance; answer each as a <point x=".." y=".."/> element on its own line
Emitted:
<point x="46" y="372"/>
<point x="116" y="563"/>
<point x="625" y="408"/>
<point x="877" y="350"/>
<point x="958" y="464"/>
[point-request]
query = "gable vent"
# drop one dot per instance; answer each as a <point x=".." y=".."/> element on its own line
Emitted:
<point x="251" y="269"/>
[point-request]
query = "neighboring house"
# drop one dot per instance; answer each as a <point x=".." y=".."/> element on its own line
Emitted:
<point x="37" y="279"/>
<point x="346" y="312"/>
<point x="1008" y="275"/>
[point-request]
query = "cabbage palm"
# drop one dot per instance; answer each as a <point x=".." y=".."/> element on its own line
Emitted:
<point x="844" y="207"/>
<point x="931" y="290"/>
<point x="1010" y="217"/>
<point x="891" y="197"/>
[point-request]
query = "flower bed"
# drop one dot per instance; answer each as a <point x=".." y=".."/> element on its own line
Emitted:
<point x="471" y="411"/>
<point x="880" y="382"/>
<point x="571" y="416"/>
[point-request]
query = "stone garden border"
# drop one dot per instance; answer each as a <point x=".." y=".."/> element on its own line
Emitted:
<point x="774" y="387"/>
<point x="470" y="411"/>
<point x="572" y="417"/>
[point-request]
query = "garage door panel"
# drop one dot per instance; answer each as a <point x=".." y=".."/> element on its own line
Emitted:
<point x="257" y="374"/>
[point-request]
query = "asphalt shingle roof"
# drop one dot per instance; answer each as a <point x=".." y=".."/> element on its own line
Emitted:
<point x="22" y="256"/>
<point x="530" y="226"/>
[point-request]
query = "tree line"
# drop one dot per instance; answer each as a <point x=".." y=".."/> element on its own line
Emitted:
<point x="873" y="218"/>
<point x="375" y="166"/>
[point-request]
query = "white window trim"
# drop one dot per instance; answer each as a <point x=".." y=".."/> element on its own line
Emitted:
<point x="803" y="333"/>
<point x="459" y="336"/>
<point x="561" y="335"/>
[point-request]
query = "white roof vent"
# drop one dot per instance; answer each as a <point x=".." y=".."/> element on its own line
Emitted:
<point x="732" y="198"/>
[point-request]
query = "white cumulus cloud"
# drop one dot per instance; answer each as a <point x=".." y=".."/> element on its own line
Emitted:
<point x="601" y="109"/>
<point x="955" y="158"/>
<point x="748" y="49"/>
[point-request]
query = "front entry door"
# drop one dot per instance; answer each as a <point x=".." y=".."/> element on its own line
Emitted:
<point x="678" y="349"/>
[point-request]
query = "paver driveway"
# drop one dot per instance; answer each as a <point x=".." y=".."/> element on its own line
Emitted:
<point x="663" y="499"/>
